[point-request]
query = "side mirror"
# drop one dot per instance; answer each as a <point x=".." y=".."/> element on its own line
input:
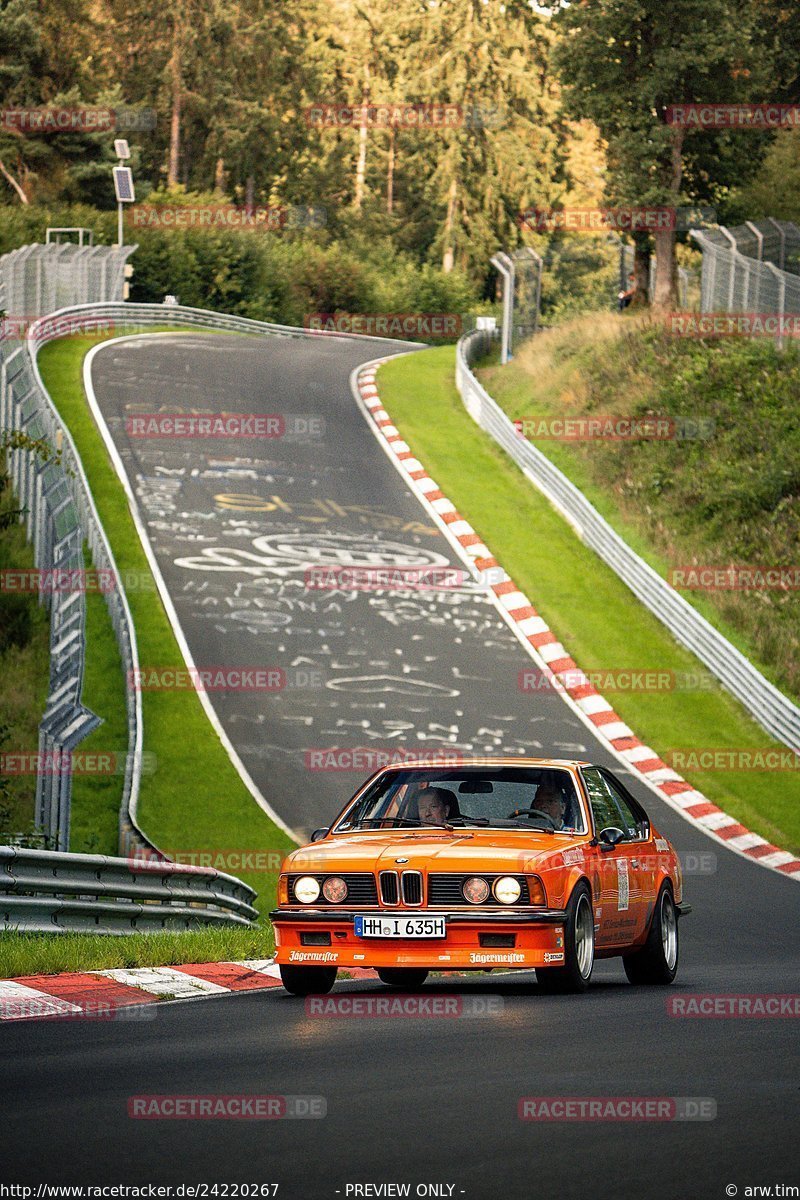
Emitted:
<point x="319" y="834"/>
<point x="611" y="837"/>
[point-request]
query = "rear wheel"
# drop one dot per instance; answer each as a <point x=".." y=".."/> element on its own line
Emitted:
<point x="574" y="976"/>
<point x="308" y="981"/>
<point x="657" y="961"/>
<point x="406" y="978"/>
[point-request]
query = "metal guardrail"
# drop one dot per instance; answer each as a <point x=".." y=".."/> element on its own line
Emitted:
<point x="26" y="387"/>
<point x="60" y="516"/>
<point x="774" y="711"/>
<point x="42" y="891"/>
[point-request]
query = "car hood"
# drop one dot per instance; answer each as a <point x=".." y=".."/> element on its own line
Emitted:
<point x="473" y="849"/>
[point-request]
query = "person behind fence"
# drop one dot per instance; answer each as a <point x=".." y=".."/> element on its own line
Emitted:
<point x="624" y="298"/>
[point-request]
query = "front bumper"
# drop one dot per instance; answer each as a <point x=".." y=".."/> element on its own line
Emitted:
<point x="538" y="940"/>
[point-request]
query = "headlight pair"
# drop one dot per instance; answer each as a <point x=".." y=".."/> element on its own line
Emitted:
<point x="307" y="889"/>
<point x="506" y="889"/>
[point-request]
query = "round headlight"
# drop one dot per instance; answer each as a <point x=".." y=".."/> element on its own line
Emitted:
<point x="475" y="890"/>
<point x="334" y="889"/>
<point x="306" y="889"/>
<point x="507" y="890"/>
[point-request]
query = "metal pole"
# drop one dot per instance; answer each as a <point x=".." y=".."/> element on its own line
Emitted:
<point x="506" y="268"/>
<point x="119" y="224"/>
<point x="760" y="239"/>
<point x="537" y="258"/>
<point x="732" y="278"/>
<point x="781" y="277"/>
<point x="782" y="236"/>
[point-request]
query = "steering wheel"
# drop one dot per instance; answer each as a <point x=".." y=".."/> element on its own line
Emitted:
<point x="537" y="812"/>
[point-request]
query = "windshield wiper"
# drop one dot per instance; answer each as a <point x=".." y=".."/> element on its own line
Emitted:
<point x="417" y="824"/>
<point x="469" y="820"/>
<point x="537" y="828"/>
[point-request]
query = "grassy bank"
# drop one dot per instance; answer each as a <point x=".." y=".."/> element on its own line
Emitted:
<point x="193" y="800"/>
<point x="96" y="798"/>
<point x="50" y="953"/>
<point x="730" y="496"/>
<point x="588" y="607"/>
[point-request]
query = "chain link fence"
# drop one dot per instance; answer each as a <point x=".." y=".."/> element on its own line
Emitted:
<point x="42" y="279"/>
<point x="522" y="297"/>
<point x="753" y="270"/>
<point x="688" y="283"/>
<point x="522" y="273"/>
<point x="60" y="519"/>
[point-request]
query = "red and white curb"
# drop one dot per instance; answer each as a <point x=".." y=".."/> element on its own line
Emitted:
<point x="122" y="994"/>
<point x="548" y="652"/>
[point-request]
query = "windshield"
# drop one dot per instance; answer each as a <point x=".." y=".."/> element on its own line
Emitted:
<point x="541" y="798"/>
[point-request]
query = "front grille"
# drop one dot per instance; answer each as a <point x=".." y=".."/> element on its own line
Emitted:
<point x="361" y="889"/>
<point x="446" y="890"/>
<point x="412" y="887"/>
<point x="389" y="887"/>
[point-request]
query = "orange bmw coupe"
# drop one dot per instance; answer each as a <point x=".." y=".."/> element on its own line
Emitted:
<point x="494" y="863"/>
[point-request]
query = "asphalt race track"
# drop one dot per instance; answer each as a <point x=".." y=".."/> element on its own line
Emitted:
<point x="416" y="1101"/>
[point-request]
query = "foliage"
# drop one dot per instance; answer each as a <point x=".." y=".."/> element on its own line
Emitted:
<point x="728" y="498"/>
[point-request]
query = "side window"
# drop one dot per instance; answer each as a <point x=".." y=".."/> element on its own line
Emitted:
<point x="635" y="822"/>
<point x="604" y="809"/>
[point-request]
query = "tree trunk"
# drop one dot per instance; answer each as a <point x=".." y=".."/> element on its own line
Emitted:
<point x="448" y="258"/>
<point x="666" y="276"/>
<point x="361" y="164"/>
<point x="175" y="64"/>
<point x="219" y="175"/>
<point x="250" y="193"/>
<point x="666" y="267"/>
<point x="16" y="186"/>
<point x="641" y="271"/>
<point x="390" y="173"/>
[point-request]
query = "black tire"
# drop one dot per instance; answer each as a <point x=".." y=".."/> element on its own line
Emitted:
<point x="406" y="978"/>
<point x="574" y="976"/>
<point x="308" y="981"/>
<point x="657" y="961"/>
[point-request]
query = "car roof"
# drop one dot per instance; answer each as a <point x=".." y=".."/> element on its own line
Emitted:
<point x="487" y="761"/>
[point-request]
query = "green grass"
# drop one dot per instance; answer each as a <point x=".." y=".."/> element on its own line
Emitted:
<point x="586" y="605"/>
<point x="51" y="953"/>
<point x="730" y="498"/>
<point x="96" y="798"/>
<point x="194" y="799"/>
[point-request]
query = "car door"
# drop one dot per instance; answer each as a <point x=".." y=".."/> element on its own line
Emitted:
<point x="638" y="847"/>
<point x="621" y="917"/>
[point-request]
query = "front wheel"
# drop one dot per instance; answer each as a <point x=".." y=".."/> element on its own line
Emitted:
<point x="574" y="976"/>
<point x="402" y="977"/>
<point x="308" y="981"/>
<point x="657" y="961"/>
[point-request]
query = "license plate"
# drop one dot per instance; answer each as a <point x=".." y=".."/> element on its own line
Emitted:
<point x="400" y="927"/>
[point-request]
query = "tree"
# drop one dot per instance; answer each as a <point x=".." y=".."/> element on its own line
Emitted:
<point x="624" y="63"/>
<point x="491" y="59"/>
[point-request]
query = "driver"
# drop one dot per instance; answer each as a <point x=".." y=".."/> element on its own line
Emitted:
<point x="433" y="805"/>
<point x="550" y="800"/>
